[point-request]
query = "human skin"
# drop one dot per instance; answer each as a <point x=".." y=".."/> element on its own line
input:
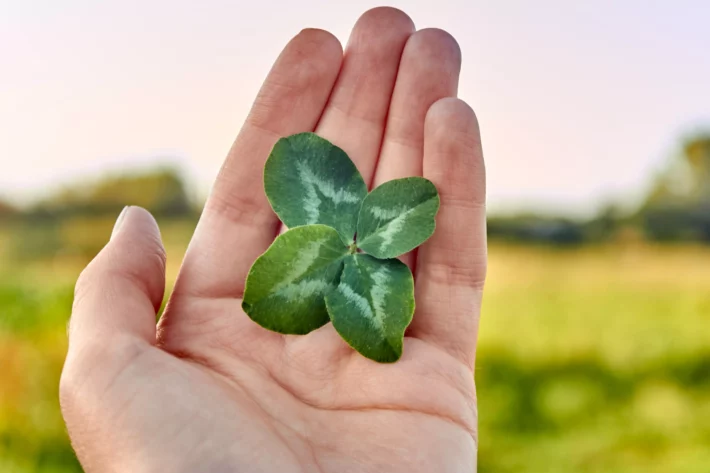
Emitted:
<point x="208" y="390"/>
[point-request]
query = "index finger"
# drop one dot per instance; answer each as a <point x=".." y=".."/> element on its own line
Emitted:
<point x="238" y="224"/>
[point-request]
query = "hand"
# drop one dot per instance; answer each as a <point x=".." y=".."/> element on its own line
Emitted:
<point x="211" y="391"/>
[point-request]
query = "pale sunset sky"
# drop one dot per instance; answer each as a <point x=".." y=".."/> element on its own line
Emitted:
<point x="579" y="102"/>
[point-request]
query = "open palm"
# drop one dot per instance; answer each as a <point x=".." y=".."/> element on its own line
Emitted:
<point x="209" y="390"/>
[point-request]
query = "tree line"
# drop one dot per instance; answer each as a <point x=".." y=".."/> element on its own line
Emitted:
<point x="676" y="209"/>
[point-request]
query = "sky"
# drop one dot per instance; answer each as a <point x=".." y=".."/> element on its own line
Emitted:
<point x="580" y="103"/>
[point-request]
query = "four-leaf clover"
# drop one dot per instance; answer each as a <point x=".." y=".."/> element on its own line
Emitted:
<point x="338" y="260"/>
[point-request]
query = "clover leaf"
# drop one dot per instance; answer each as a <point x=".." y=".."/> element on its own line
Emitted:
<point x="397" y="217"/>
<point x="337" y="262"/>
<point x="372" y="305"/>
<point x="286" y="285"/>
<point x="309" y="180"/>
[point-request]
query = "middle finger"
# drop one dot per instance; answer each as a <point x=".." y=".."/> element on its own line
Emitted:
<point x="354" y="118"/>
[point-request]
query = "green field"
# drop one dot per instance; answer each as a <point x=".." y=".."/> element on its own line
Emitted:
<point x="591" y="360"/>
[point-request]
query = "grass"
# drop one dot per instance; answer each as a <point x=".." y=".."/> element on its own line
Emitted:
<point x="595" y="360"/>
<point x="590" y="359"/>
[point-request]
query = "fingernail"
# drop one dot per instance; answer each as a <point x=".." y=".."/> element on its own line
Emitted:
<point x="119" y="221"/>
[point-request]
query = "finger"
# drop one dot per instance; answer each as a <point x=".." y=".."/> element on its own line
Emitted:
<point x="355" y="116"/>
<point x="451" y="266"/>
<point x="238" y="224"/>
<point x="428" y="72"/>
<point x="118" y="294"/>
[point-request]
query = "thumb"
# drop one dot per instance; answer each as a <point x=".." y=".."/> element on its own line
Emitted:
<point x="119" y="293"/>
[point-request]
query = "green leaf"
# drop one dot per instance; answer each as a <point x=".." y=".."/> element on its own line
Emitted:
<point x="397" y="216"/>
<point x="286" y="285"/>
<point x="373" y="305"/>
<point x="309" y="180"/>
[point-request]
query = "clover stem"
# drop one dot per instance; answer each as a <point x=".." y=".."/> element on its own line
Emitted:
<point x="352" y="249"/>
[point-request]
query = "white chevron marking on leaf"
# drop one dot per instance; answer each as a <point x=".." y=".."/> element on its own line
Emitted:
<point x="390" y="229"/>
<point x="303" y="289"/>
<point x="312" y="202"/>
<point x="379" y="291"/>
<point x="362" y="304"/>
<point x="382" y="213"/>
<point x="304" y="261"/>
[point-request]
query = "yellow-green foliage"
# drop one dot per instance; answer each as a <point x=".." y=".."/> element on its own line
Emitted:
<point x="160" y="190"/>
<point x="590" y="360"/>
<point x="596" y="360"/>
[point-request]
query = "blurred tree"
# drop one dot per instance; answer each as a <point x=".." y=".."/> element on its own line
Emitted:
<point x="77" y="221"/>
<point x="7" y="211"/>
<point x="606" y="224"/>
<point x="678" y="206"/>
<point x="531" y="228"/>
<point x="161" y="191"/>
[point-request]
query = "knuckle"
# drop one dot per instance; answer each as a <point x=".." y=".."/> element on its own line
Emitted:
<point x="83" y="285"/>
<point x="239" y="207"/>
<point x="67" y="391"/>
<point x="455" y="272"/>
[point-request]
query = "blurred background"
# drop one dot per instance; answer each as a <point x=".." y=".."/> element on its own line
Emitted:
<point x="595" y="116"/>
